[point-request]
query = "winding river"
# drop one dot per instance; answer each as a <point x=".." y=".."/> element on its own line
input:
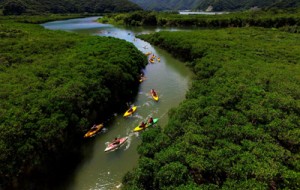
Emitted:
<point x="170" y="78"/>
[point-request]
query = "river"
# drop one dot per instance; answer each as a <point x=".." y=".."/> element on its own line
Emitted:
<point x="169" y="77"/>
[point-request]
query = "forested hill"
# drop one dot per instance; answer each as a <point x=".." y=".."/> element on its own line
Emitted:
<point x="66" y="6"/>
<point x="233" y="5"/>
<point x="286" y="4"/>
<point x="167" y="4"/>
<point x="220" y="5"/>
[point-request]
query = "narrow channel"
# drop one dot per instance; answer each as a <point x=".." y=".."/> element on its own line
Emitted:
<point x="169" y="77"/>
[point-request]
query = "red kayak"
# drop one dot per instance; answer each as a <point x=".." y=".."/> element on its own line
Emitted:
<point x="115" y="144"/>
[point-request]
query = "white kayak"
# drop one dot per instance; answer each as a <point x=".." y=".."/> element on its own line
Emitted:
<point x="115" y="144"/>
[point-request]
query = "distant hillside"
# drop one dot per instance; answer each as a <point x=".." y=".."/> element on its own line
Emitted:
<point x="286" y="4"/>
<point x="167" y="4"/>
<point x="232" y="5"/>
<point x="66" y="6"/>
<point x="217" y="5"/>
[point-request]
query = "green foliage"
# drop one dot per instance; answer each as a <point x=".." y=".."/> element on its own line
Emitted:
<point x="38" y="19"/>
<point x="167" y="4"/>
<point x="53" y="86"/>
<point x="234" y="5"/>
<point x="239" y="126"/>
<point x="172" y="175"/>
<point x="16" y="7"/>
<point x="220" y="5"/>
<point x="276" y="19"/>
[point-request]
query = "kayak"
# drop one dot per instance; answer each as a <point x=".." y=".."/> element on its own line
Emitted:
<point x="151" y="60"/>
<point x="93" y="131"/>
<point x="154" y="97"/>
<point x="142" y="79"/>
<point x="112" y="146"/>
<point x="158" y="59"/>
<point x="127" y="113"/>
<point x="138" y="128"/>
<point x="148" y="53"/>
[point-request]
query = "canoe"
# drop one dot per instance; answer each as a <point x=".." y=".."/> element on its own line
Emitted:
<point x="138" y="128"/>
<point x="127" y="113"/>
<point x="154" y="97"/>
<point x="112" y="146"/>
<point x="93" y="131"/>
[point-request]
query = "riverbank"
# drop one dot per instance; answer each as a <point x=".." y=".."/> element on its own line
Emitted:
<point x="54" y="86"/>
<point x="238" y="127"/>
<point x="38" y="19"/>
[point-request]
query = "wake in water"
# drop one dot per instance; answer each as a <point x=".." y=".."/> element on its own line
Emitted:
<point x="118" y="186"/>
<point x="148" y="103"/>
<point x="108" y="184"/>
<point x="104" y="130"/>
<point x="128" y="143"/>
<point x="137" y="116"/>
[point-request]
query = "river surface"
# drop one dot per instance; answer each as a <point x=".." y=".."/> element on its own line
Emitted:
<point x="169" y="77"/>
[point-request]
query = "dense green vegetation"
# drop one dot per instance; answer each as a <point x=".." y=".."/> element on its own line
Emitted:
<point x="234" y="5"/>
<point x="274" y="18"/>
<point x="283" y="4"/>
<point x="53" y="86"/>
<point x="17" y="7"/>
<point x="239" y="127"/>
<point x="37" y="19"/>
<point x="220" y="5"/>
<point x="167" y="4"/>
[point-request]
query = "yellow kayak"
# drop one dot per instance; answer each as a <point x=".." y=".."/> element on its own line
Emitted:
<point x="142" y="79"/>
<point x="158" y="59"/>
<point x="155" y="97"/>
<point x="138" y="128"/>
<point x="93" y="130"/>
<point x="128" y="112"/>
<point x="148" y="53"/>
<point x="151" y="60"/>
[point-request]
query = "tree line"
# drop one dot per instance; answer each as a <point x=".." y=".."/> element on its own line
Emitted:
<point x="18" y="7"/>
<point x="54" y="86"/>
<point x="220" y="5"/>
<point x="234" y="5"/>
<point x="269" y="19"/>
<point x="239" y="125"/>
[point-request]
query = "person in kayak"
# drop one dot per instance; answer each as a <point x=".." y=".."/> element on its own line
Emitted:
<point x="116" y="141"/>
<point x="153" y="92"/>
<point x="142" y="74"/>
<point x="150" y="121"/>
<point x="130" y="110"/>
<point x="143" y="125"/>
